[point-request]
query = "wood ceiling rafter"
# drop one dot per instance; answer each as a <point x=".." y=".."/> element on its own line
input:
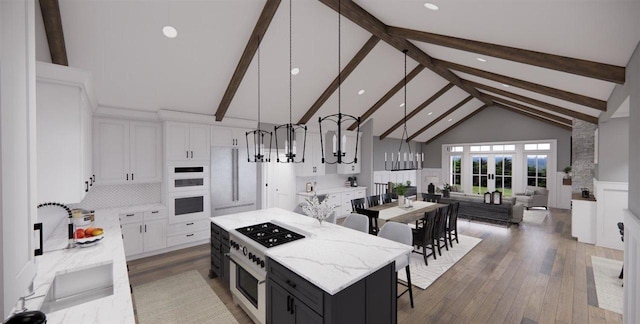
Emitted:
<point x="370" y="23"/>
<point x="537" y="103"/>
<point x="417" y="110"/>
<point x="268" y="11"/>
<point x="530" y="109"/>
<point x="387" y="96"/>
<point x="355" y="61"/>
<point x="534" y="116"/>
<point x="590" y="69"/>
<point x="441" y="117"/>
<point x="50" y="10"/>
<point x="526" y="85"/>
<point x="457" y="123"/>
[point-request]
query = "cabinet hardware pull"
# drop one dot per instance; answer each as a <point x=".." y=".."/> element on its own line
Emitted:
<point x="145" y="228"/>
<point x="189" y="224"/>
<point x="38" y="227"/>
<point x="187" y="154"/>
<point x="86" y="186"/>
<point x="131" y="176"/>
<point x="155" y="211"/>
<point x="129" y="215"/>
<point x="189" y="235"/>
<point x="291" y="308"/>
<point x="90" y="181"/>
<point x="290" y="283"/>
<point x="94" y="178"/>
<point x="192" y="154"/>
<point x="140" y="228"/>
<point x="288" y="301"/>
<point x="127" y="177"/>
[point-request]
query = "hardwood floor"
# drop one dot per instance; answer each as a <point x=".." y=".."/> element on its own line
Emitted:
<point x="522" y="274"/>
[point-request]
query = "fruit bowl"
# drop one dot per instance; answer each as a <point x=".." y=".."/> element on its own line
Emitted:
<point x="88" y="241"/>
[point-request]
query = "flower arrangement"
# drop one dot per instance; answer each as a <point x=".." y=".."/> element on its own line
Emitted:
<point x="318" y="210"/>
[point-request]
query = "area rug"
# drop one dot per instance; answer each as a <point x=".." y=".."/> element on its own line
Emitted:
<point x="183" y="298"/>
<point x="422" y="276"/>
<point x="535" y="216"/>
<point x="608" y="286"/>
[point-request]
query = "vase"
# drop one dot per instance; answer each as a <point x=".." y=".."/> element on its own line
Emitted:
<point x="400" y="201"/>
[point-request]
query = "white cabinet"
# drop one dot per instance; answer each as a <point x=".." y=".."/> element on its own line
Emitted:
<point x="63" y="140"/>
<point x="186" y="142"/>
<point x="127" y="152"/>
<point x="583" y="220"/>
<point x="341" y="197"/>
<point x="144" y="231"/>
<point x="350" y="152"/>
<point x="312" y="165"/>
<point x="229" y="136"/>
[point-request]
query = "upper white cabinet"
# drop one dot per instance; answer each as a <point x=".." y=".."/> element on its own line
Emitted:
<point x="127" y="151"/>
<point x="187" y="142"/>
<point x="229" y="136"/>
<point x="312" y="165"/>
<point x="63" y="135"/>
<point x="353" y="168"/>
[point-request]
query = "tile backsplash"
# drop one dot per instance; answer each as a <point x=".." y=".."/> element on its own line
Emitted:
<point x="110" y="196"/>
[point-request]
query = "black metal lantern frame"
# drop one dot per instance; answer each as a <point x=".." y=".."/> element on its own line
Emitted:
<point x="339" y="119"/>
<point x="292" y="132"/>
<point x="257" y="136"/>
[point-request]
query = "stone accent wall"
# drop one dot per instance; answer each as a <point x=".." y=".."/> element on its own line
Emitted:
<point x="582" y="146"/>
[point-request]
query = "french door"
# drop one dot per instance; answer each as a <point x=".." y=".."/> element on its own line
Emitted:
<point x="491" y="172"/>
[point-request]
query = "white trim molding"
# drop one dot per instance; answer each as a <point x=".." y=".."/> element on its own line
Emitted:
<point x="181" y="116"/>
<point x="612" y="200"/>
<point x="631" y="312"/>
<point x="60" y="74"/>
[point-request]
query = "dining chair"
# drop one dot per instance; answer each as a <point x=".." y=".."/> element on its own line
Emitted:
<point x="452" y="224"/>
<point x="374" y="200"/>
<point x="357" y="222"/>
<point x="400" y="233"/>
<point x="430" y="197"/>
<point x="358" y="203"/>
<point x="373" y="219"/>
<point x="386" y="198"/>
<point x="440" y="232"/>
<point x="424" y="236"/>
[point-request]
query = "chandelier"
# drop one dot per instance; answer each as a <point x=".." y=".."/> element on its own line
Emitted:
<point x="258" y="152"/>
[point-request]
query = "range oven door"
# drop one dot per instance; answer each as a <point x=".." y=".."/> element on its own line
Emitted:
<point x="248" y="287"/>
<point x="188" y="178"/>
<point x="189" y="206"/>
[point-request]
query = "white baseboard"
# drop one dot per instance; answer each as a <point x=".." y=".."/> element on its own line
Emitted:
<point x="166" y="250"/>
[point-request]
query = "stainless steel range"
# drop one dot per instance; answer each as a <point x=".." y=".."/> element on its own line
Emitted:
<point x="248" y="272"/>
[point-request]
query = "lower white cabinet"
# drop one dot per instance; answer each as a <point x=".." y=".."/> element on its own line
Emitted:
<point x="144" y="231"/>
<point x="341" y="197"/>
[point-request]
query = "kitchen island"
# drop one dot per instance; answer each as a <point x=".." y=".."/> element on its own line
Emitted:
<point x="334" y="273"/>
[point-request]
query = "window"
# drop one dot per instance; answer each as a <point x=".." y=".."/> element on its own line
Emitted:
<point x="475" y="149"/>
<point x="537" y="170"/>
<point x="455" y="149"/>
<point x="537" y="147"/>
<point x="504" y="167"/>
<point x="455" y="175"/>
<point x="479" y="174"/>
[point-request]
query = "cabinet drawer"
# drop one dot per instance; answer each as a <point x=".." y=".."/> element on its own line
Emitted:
<point x="187" y="238"/>
<point x="155" y="214"/>
<point x="215" y="231"/>
<point x="360" y="193"/>
<point x="348" y="195"/>
<point x="188" y="227"/>
<point x="309" y="294"/>
<point x="128" y="218"/>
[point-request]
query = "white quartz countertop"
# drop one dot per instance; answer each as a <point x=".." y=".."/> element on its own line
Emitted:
<point x="331" y="256"/>
<point x="116" y="308"/>
<point x="330" y="190"/>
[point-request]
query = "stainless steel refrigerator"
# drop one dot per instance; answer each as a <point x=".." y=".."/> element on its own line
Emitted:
<point x="233" y="181"/>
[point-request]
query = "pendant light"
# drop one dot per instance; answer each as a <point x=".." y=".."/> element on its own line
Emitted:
<point x="259" y="137"/>
<point x="292" y="133"/>
<point x="404" y="161"/>
<point x="339" y="120"/>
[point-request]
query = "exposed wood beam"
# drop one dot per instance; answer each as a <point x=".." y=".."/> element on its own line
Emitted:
<point x="388" y="95"/>
<point x="538" y="103"/>
<point x="441" y="117"/>
<point x="417" y="110"/>
<point x="547" y="91"/>
<point x="530" y="109"/>
<point x="53" y="28"/>
<point x="456" y="124"/>
<point x="370" y="23"/>
<point x="359" y="57"/>
<point x="268" y="11"/>
<point x="534" y="116"/>
<point x="590" y="69"/>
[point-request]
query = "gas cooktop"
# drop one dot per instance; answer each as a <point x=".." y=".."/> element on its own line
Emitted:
<point x="269" y="234"/>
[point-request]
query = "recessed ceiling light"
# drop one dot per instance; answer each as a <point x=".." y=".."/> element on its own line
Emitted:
<point x="430" y="113"/>
<point x="361" y="91"/>
<point x="430" y="6"/>
<point x="450" y="119"/>
<point x="481" y="59"/>
<point x="505" y="85"/>
<point x="170" y="31"/>
<point x="295" y="71"/>
<point x="402" y="104"/>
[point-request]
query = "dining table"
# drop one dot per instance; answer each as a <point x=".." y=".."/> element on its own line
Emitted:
<point x="391" y="212"/>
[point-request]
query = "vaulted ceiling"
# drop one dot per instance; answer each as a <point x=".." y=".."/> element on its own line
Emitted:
<point x="134" y="66"/>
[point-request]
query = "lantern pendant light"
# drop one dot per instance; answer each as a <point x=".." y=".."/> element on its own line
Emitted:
<point x="258" y="136"/>
<point x="340" y="121"/>
<point x="292" y="133"/>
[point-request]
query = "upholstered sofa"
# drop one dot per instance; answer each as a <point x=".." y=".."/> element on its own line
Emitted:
<point x="533" y="197"/>
<point x="473" y="207"/>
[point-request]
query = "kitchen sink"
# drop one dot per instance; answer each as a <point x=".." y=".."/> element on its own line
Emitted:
<point x="79" y="286"/>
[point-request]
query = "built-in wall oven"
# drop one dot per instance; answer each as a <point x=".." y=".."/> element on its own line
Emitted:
<point x="189" y="206"/>
<point x="188" y="177"/>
